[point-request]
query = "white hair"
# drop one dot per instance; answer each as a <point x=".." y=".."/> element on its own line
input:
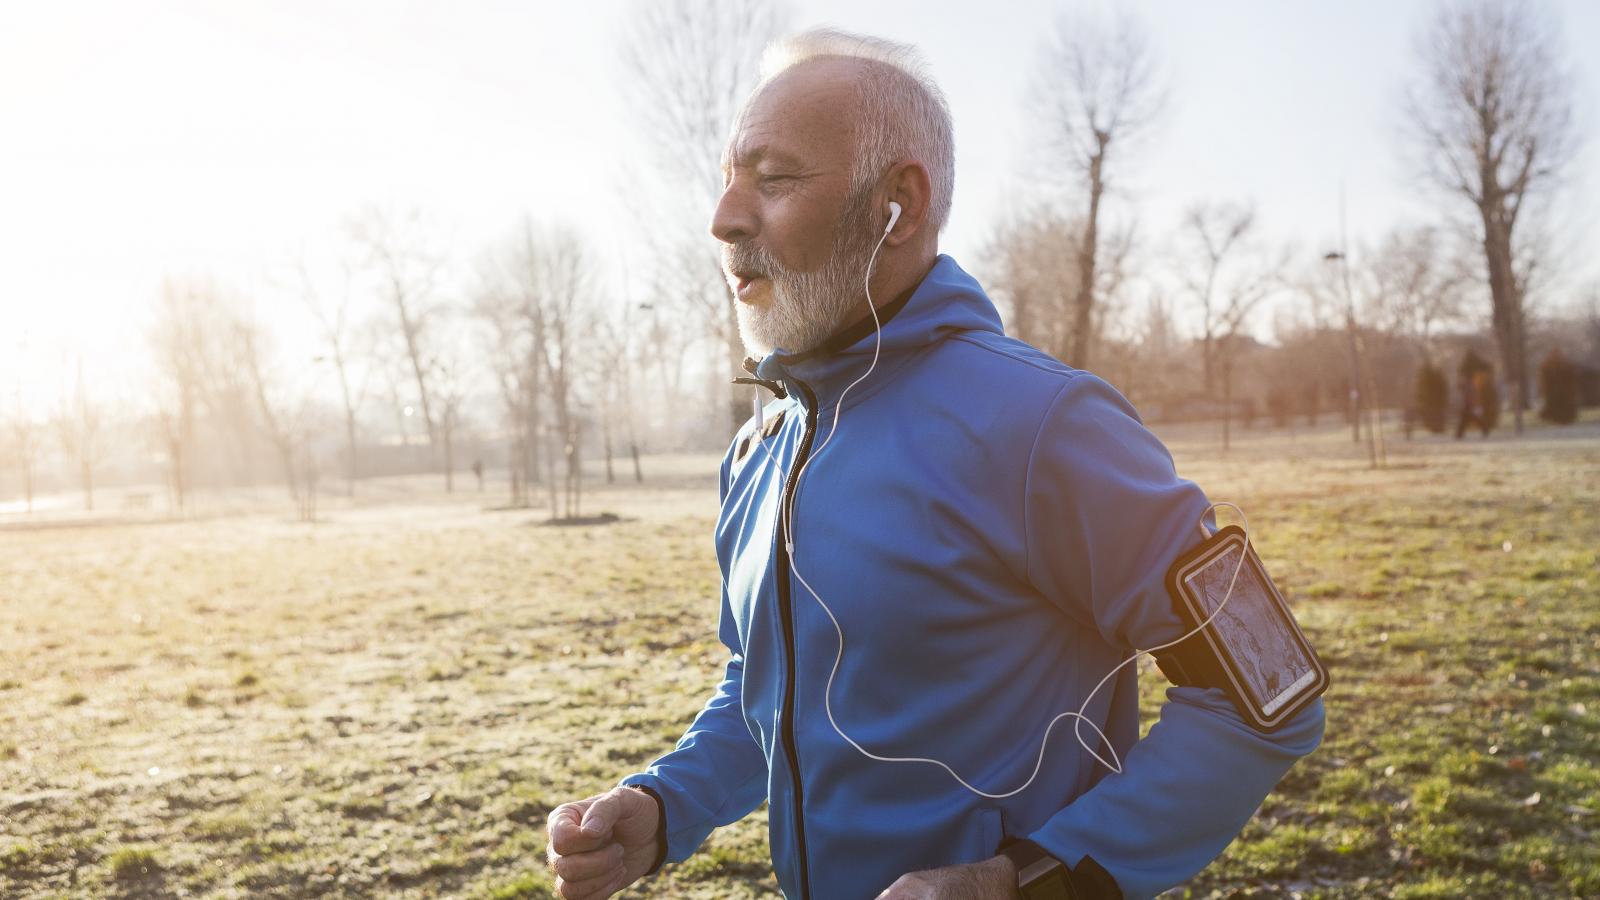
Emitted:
<point x="903" y="114"/>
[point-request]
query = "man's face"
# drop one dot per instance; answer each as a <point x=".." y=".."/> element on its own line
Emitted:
<point x="797" y="240"/>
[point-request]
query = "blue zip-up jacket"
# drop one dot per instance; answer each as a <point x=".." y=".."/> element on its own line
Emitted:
<point x="991" y="528"/>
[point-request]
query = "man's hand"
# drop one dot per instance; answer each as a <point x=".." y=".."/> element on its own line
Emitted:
<point x="992" y="879"/>
<point x="600" y="845"/>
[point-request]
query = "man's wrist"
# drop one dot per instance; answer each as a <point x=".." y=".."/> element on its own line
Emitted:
<point x="661" y="827"/>
<point x="1005" y="874"/>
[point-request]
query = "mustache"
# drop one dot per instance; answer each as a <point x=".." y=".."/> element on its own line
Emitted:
<point x="749" y="259"/>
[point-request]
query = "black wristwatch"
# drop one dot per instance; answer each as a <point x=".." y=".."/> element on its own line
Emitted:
<point x="1041" y="876"/>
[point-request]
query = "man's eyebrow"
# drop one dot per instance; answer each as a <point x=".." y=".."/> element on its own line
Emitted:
<point x="746" y="158"/>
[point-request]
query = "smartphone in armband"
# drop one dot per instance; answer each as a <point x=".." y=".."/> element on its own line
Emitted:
<point x="1253" y="649"/>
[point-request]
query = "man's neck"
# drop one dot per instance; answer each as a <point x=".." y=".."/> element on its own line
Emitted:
<point x="897" y="274"/>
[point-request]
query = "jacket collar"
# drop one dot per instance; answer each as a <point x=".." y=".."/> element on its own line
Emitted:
<point x="945" y="302"/>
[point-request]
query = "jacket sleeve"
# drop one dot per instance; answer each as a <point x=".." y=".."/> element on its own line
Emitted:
<point x="1105" y="516"/>
<point x="717" y="774"/>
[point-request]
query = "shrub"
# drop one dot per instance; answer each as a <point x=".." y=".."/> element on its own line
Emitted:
<point x="1433" y="397"/>
<point x="1477" y="372"/>
<point x="1279" y="404"/>
<point x="1558" y="383"/>
<point x="1310" y="395"/>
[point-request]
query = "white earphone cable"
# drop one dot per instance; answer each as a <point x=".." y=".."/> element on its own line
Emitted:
<point x="1115" y="763"/>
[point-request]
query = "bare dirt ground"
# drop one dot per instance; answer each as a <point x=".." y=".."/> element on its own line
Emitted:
<point x="388" y="701"/>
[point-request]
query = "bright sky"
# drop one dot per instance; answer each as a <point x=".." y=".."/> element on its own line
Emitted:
<point x="202" y="138"/>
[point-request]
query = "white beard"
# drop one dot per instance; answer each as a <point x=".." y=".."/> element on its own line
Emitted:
<point x="804" y="308"/>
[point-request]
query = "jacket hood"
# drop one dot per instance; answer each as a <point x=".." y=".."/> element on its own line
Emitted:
<point x="945" y="302"/>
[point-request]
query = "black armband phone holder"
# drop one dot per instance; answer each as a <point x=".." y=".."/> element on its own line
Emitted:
<point x="1253" y="649"/>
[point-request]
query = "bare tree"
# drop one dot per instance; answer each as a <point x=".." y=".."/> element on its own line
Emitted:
<point x="281" y="413"/>
<point x="1492" y="115"/>
<point x="1031" y="257"/>
<point x="1216" y="233"/>
<point x="1365" y="401"/>
<point x="537" y="300"/>
<point x="1149" y="368"/>
<point x="23" y="431"/>
<point x="339" y="340"/>
<point x="688" y="66"/>
<point x="615" y="340"/>
<point x="1097" y="91"/>
<point x="1328" y="310"/>
<point x="669" y="341"/>
<point x="449" y="374"/>
<point x="78" y="428"/>
<point x="177" y="338"/>
<point x="512" y="338"/>
<point x="1591" y="322"/>
<point x="565" y="291"/>
<point x="408" y="272"/>
<point x="1415" y="286"/>
<point x="1227" y="278"/>
<point x="221" y="389"/>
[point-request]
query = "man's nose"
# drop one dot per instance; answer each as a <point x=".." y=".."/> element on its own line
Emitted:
<point x="734" y="219"/>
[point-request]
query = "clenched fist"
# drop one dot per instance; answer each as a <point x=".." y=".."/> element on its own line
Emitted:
<point x="602" y="844"/>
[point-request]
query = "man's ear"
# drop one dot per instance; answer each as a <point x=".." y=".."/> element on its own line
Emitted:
<point x="907" y="184"/>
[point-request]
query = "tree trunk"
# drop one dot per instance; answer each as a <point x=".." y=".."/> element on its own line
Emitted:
<point x="1354" y="393"/>
<point x="449" y="460"/>
<point x="1083" y="305"/>
<point x="408" y="331"/>
<point x="349" y="422"/>
<point x="350" y="451"/>
<point x="638" y="473"/>
<point x="550" y="476"/>
<point x="1519" y="343"/>
<point x="1507" y="304"/>
<point x="1380" y="454"/>
<point x="1227" y="404"/>
<point x="514" y="467"/>
<point x="575" y="472"/>
<point x="605" y="436"/>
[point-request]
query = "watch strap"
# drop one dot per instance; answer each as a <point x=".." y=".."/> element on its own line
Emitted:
<point x="1041" y="876"/>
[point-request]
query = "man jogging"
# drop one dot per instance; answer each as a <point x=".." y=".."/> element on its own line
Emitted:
<point x="935" y="541"/>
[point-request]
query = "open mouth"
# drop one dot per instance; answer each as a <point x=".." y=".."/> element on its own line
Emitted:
<point x="745" y="280"/>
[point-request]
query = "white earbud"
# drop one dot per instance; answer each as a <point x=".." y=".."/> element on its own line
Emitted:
<point x="894" y="216"/>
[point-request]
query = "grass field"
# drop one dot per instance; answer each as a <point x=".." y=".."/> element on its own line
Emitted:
<point x="389" y="701"/>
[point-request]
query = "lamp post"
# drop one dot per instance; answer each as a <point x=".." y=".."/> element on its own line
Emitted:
<point x="1363" y="391"/>
<point x="1353" y="395"/>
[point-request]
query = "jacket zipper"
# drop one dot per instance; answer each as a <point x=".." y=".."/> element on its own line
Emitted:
<point x="786" y="610"/>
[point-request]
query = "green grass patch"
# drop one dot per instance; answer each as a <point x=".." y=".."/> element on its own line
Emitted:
<point x="133" y="863"/>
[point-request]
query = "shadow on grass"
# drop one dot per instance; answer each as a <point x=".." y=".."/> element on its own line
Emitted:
<point x="600" y="519"/>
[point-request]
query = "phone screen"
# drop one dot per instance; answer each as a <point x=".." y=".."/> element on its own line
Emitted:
<point x="1267" y="655"/>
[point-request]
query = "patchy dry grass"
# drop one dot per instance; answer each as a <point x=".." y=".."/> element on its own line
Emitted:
<point x="388" y="702"/>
